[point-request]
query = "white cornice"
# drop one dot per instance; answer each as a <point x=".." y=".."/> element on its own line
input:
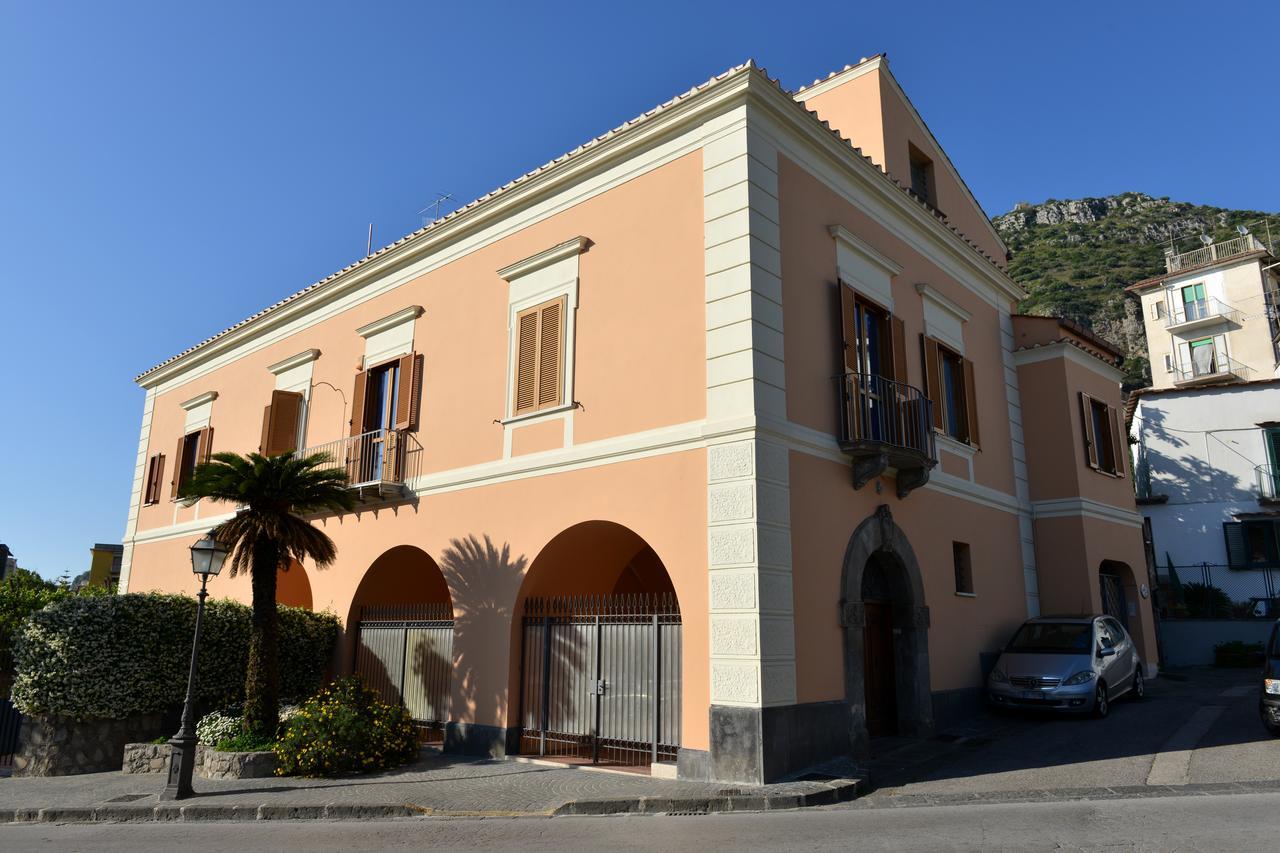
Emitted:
<point x="1085" y="508"/>
<point x="545" y="258"/>
<point x="199" y="400"/>
<point x="294" y="361"/>
<point x="943" y="302"/>
<point x="872" y="254"/>
<point x="838" y="79"/>
<point x="1071" y="352"/>
<point x="404" y="315"/>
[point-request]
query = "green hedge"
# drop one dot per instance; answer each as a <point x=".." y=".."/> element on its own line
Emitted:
<point x="110" y="658"/>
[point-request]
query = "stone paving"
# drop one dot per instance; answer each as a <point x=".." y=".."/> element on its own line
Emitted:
<point x="436" y="785"/>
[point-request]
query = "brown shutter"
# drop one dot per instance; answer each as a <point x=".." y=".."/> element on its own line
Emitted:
<point x="266" y="430"/>
<point x="848" y="328"/>
<point x="932" y="359"/>
<point x="970" y="403"/>
<point x="1121" y="440"/>
<point x="357" y="402"/>
<point x="551" y="353"/>
<point x="155" y="476"/>
<point x="526" y="390"/>
<point x="205" y="448"/>
<point x="410" y="383"/>
<point x="281" y="430"/>
<point x="177" y="468"/>
<point x="898" y="349"/>
<point x="1086" y="423"/>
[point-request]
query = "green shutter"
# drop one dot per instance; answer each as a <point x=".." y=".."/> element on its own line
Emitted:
<point x="1237" y="548"/>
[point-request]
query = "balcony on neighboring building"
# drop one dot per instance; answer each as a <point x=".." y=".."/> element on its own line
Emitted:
<point x="1208" y="370"/>
<point x="1268" y="479"/>
<point x="885" y="424"/>
<point x="378" y="463"/>
<point x="1184" y="316"/>
<point x="1212" y="253"/>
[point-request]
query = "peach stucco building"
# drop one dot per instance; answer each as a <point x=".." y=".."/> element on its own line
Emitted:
<point x="715" y="442"/>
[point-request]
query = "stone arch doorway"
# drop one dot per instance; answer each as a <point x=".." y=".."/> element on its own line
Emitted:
<point x="886" y="635"/>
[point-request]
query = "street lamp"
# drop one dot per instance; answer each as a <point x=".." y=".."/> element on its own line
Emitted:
<point x="207" y="557"/>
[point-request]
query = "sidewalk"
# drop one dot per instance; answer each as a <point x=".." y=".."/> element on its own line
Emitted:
<point x="437" y="785"/>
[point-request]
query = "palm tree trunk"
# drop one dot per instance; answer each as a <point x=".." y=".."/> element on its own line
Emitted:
<point x="262" y="678"/>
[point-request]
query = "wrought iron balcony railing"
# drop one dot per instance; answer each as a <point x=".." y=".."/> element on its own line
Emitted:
<point x="1220" y="368"/>
<point x="1200" y="311"/>
<point x="377" y="463"/>
<point x="883" y="424"/>
<point x="1213" y="252"/>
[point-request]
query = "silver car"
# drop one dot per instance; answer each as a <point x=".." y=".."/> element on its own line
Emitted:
<point x="1077" y="664"/>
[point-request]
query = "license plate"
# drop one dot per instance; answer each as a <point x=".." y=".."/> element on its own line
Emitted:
<point x="1030" y="694"/>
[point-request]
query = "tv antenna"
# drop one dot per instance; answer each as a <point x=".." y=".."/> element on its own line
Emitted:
<point x="434" y="207"/>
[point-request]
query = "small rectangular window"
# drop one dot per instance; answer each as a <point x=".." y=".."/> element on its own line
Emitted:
<point x="922" y="182"/>
<point x="193" y="449"/>
<point x="539" y="357"/>
<point x="963" y="566"/>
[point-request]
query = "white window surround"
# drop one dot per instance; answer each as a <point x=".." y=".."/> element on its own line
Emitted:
<point x="956" y="448"/>
<point x="943" y="319"/>
<point x="549" y="274"/>
<point x="199" y="410"/>
<point x="866" y="268"/>
<point x="390" y="336"/>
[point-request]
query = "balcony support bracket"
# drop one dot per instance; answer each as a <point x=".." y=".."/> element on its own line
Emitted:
<point x="910" y="479"/>
<point x="867" y="468"/>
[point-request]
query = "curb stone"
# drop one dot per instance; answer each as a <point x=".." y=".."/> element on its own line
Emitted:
<point x="834" y="793"/>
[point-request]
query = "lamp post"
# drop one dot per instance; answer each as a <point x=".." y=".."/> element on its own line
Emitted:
<point x="207" y="557"/>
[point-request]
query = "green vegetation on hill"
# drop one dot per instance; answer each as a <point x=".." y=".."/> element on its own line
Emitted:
<point x="1075" y="257"/>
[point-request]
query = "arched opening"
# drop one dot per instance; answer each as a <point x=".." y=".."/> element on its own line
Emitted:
<point x="400" y="635"/>
<point x="1116" y="588"/>
<point x="886" y="635"/>
<point x="598" y="645"/>
<point x="293" y="587"/>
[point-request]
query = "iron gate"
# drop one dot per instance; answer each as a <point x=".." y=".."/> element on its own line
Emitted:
<point x="405" y="654"/>
<point x="1113" y="603"/>
<point x="600" y="678"/>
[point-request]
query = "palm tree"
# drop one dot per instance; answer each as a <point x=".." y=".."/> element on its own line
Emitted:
<point x="265" y="536"/>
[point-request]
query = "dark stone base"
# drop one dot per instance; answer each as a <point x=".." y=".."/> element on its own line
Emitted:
<point x="476" y="739"/>
<point x="762" y="745"/>
<point x="693" y="765"/>
<point x="953" y="706"/>
<point x="62" y="746"/>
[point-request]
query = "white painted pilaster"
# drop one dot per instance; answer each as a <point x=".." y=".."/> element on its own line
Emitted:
<point x="1022" y="490"/>
<point x="135" y="497"/>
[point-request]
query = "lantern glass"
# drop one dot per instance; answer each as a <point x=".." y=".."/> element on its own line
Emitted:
<point x="208" y="555"/>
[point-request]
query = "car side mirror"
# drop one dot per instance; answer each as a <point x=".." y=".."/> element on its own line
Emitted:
<point x="1105" y="652"/>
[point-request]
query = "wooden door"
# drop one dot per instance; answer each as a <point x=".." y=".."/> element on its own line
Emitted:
<point x="878" y="671"/>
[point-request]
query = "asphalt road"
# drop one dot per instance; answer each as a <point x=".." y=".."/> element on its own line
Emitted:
<point x="1240" y="822"/>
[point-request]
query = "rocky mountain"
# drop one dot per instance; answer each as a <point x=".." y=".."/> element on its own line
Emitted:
<point x="1075" y="257"/>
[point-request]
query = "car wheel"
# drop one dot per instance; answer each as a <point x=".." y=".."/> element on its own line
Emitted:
<point x="1271" y="727"/>
<point x="1101" y="705"/>
<point x="1139" y="689"/>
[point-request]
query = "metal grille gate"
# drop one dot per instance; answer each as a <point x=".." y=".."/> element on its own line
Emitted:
<point x="405" y="654"/>
<point x="600" y="678"/>
<point x="1113" y="603"/>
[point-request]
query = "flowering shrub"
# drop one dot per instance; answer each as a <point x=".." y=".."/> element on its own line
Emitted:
<point x="345" y="728"/>
<point x="114" y="656"/>
<point x="217" y="726"/>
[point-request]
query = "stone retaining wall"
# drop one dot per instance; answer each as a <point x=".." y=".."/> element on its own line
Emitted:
<point x="210" y="763"/>
<point x="62" y="746"/>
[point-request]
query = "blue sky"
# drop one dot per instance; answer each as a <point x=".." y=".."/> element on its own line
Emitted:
<point x="167" y="169"/>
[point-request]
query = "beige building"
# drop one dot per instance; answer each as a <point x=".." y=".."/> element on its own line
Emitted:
<point x="1212" y="316"/>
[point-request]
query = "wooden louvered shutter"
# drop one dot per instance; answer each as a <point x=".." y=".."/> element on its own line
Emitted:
<point x="1120" y="443"/>
<point x="970" y="403"/>
<point x="551" y="353"/>
<point x="175" y="483"/>
<point x="1086" y="423"/>
<point x="282" y="427"/>
<point x="205" y="448"/>
<point x="897" y="361"/>
<point x="848" y="328"/>
<point x="357" y="402"/>
<point x="1237" y="547"/>
<point x="526" y="390"/>
<point x="932" y="360"/>
<point x="409" y="391"/>
<point x="266" y="431"/>
<point x="155" y="476"/>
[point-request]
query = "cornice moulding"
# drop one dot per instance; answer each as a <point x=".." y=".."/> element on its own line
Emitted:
<point x="545" y="258"/>
<point x="199" y="400"/>
<point x="404" y="315"/>
<point x="943" y="302"/>
<point x="872" y="254"/>
<point x="294" y="361"/>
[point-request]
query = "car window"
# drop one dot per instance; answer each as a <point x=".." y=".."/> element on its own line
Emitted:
<point x="1117" y="630"/>
<point x="1052" y="638"/>
<point x="1104" y="635"/>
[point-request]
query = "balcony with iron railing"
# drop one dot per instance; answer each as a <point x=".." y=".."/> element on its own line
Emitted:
<point x="885" y="424"/>
<point x="1268" y="480"/>
<point x="378" y="463"/>
<point x="1220" y="368"/>
<point x="1185" y="316"/>
<point x="1212" y="253"/>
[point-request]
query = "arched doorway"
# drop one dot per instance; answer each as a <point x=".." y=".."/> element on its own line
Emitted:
<point x="599" y="650"/>
<point x="886" y="635"/>
<point x="1113" y="579"/>
<point x="293" y="587"/>
<point x="400" y="631"/>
